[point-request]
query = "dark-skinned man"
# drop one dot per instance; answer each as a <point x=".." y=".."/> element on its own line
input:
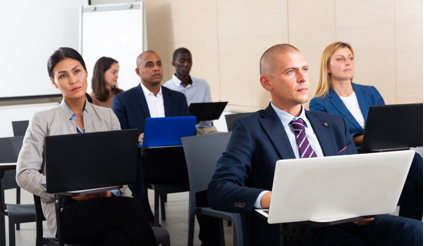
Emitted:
<point x="150" y="99"/>
<point x="196" y="90"/>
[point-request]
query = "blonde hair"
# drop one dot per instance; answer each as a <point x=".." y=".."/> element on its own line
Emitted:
<point x="324" y="82"/>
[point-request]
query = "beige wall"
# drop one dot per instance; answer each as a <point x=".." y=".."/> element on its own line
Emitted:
<point x="227" y="38"/>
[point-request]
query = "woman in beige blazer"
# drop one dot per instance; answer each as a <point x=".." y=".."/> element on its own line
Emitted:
<point x="112" y="217"/>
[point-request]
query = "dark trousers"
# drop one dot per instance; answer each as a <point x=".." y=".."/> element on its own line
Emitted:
<point x="110" y="221"/>
<point x="385" y="230"/>
<point x="411" y="199"/>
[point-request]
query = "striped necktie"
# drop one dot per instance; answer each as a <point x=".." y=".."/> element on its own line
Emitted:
<point x="305" y="149"/>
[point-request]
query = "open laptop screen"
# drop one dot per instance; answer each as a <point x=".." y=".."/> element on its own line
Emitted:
<point x="90" y="160"/>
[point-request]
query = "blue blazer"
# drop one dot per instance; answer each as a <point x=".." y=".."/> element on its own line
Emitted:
<point x="331" y="103"/>
<point x="132" y="110"/>
<point x="247" y="166"/>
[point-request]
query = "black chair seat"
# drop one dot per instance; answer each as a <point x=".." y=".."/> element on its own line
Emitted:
<point x="21" y="212"/>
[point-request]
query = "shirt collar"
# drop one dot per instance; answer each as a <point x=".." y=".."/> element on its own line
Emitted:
<point x="178" y="82"/>
<point x="286" y="118"/>
<point x="147" y="92"/>
<point x="74" y="116"/>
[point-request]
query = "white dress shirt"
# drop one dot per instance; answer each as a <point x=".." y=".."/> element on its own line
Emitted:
<point x="198" y="91"/>
<point x="285" y="119"/>
<point x="154" y="103"/>
<point x="351" y="103"/>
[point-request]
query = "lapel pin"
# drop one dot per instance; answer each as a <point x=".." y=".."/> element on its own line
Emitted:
<point x="325" y="124"/>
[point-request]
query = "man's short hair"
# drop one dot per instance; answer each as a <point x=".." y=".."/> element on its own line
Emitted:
<point x="178" y="51"/>
<point x="269" y="55"/>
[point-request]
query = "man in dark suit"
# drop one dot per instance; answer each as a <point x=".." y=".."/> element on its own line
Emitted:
<point x="150" y="99"/>
<point x="243" y="177"/>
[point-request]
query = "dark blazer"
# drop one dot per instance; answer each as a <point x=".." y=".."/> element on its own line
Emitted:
<point x="247" y="166"/>
<point x="331" y="103"/>
<point x="132" y="110"/>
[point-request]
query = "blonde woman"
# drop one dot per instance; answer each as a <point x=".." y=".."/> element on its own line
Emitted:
<point x="337" y="94"/>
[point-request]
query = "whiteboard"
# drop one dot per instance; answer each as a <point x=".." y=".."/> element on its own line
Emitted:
<point x="30" y="32"/>
<point x="115" y="31"/>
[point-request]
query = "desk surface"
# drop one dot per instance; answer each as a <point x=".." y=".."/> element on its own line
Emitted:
<point x="11" y="164"/>
<point x="263" y="213"/>
<point x="84" y="192"/>
<point x="160" y="147"/>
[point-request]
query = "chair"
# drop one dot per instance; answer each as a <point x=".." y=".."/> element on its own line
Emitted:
<point x="230" y="118"/>
<point x="162" y="235"/>
<point x="201" y="153"/>
<point x="158" y="156"/>
<point x="17" y="213"/>
<point x="19" y="127"/>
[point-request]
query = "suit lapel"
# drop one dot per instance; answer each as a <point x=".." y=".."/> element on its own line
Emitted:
<point x="142" y="101"/>
<point x="323" y="133"/>
<point x="166" y="102"/>
<point x="339" y="105"/>
<point x="276" y="133"/>
<point x="362" y="100"/>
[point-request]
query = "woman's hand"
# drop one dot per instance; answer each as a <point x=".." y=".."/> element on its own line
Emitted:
<point x="93" y="196"/>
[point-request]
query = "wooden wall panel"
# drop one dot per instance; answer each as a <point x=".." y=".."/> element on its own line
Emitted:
<point x="409" y="51"/>
<point x="158" y="18"/>
<point x="268" y="27"/>
<point x="234" y="51"/>
<point x="369" y="27"/>
<point x="311" y="35"/>
<point x="204" y="43"/>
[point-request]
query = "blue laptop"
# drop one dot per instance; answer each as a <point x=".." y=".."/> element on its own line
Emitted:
<point x="167" y="131"/>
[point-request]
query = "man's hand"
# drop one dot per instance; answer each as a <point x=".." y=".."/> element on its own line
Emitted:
<point x="363" y="222"/>
<point x="141" y="137"/>
<point x="92" y="196"/>
<point x="266" y="200"/>
<point x="357" y="139"/>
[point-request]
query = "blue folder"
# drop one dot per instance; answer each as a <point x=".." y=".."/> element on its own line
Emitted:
<point x="168" y="131"/>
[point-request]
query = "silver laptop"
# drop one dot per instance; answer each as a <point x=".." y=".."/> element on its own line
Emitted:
<point x="337" y="187"/>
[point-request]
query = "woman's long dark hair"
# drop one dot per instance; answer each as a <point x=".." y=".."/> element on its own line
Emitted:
<point x="61" y="54"/>
<point x="98" y="83"/>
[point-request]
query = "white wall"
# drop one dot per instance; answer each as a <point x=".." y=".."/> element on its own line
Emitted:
<point x="30" y="32"/>
<point x="18" y="113"/>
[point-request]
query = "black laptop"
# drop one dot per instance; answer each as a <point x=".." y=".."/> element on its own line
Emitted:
<point x="207" y="111"/>
<point x="393" y="127"/>
<point x="90" y="160"/>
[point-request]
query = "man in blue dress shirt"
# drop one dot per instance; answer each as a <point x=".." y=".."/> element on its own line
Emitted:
<point x="196" y="90"/>
<point x="244" y="174"/>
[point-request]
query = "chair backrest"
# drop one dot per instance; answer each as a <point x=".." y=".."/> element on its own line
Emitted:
<point x="201" y="154"/>
<point x="20" y="127"/>
<point x="9" y="151"/>
<point x="230" y="118"/>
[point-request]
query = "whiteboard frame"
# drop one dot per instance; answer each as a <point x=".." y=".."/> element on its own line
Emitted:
<point x="113" y="7"/>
